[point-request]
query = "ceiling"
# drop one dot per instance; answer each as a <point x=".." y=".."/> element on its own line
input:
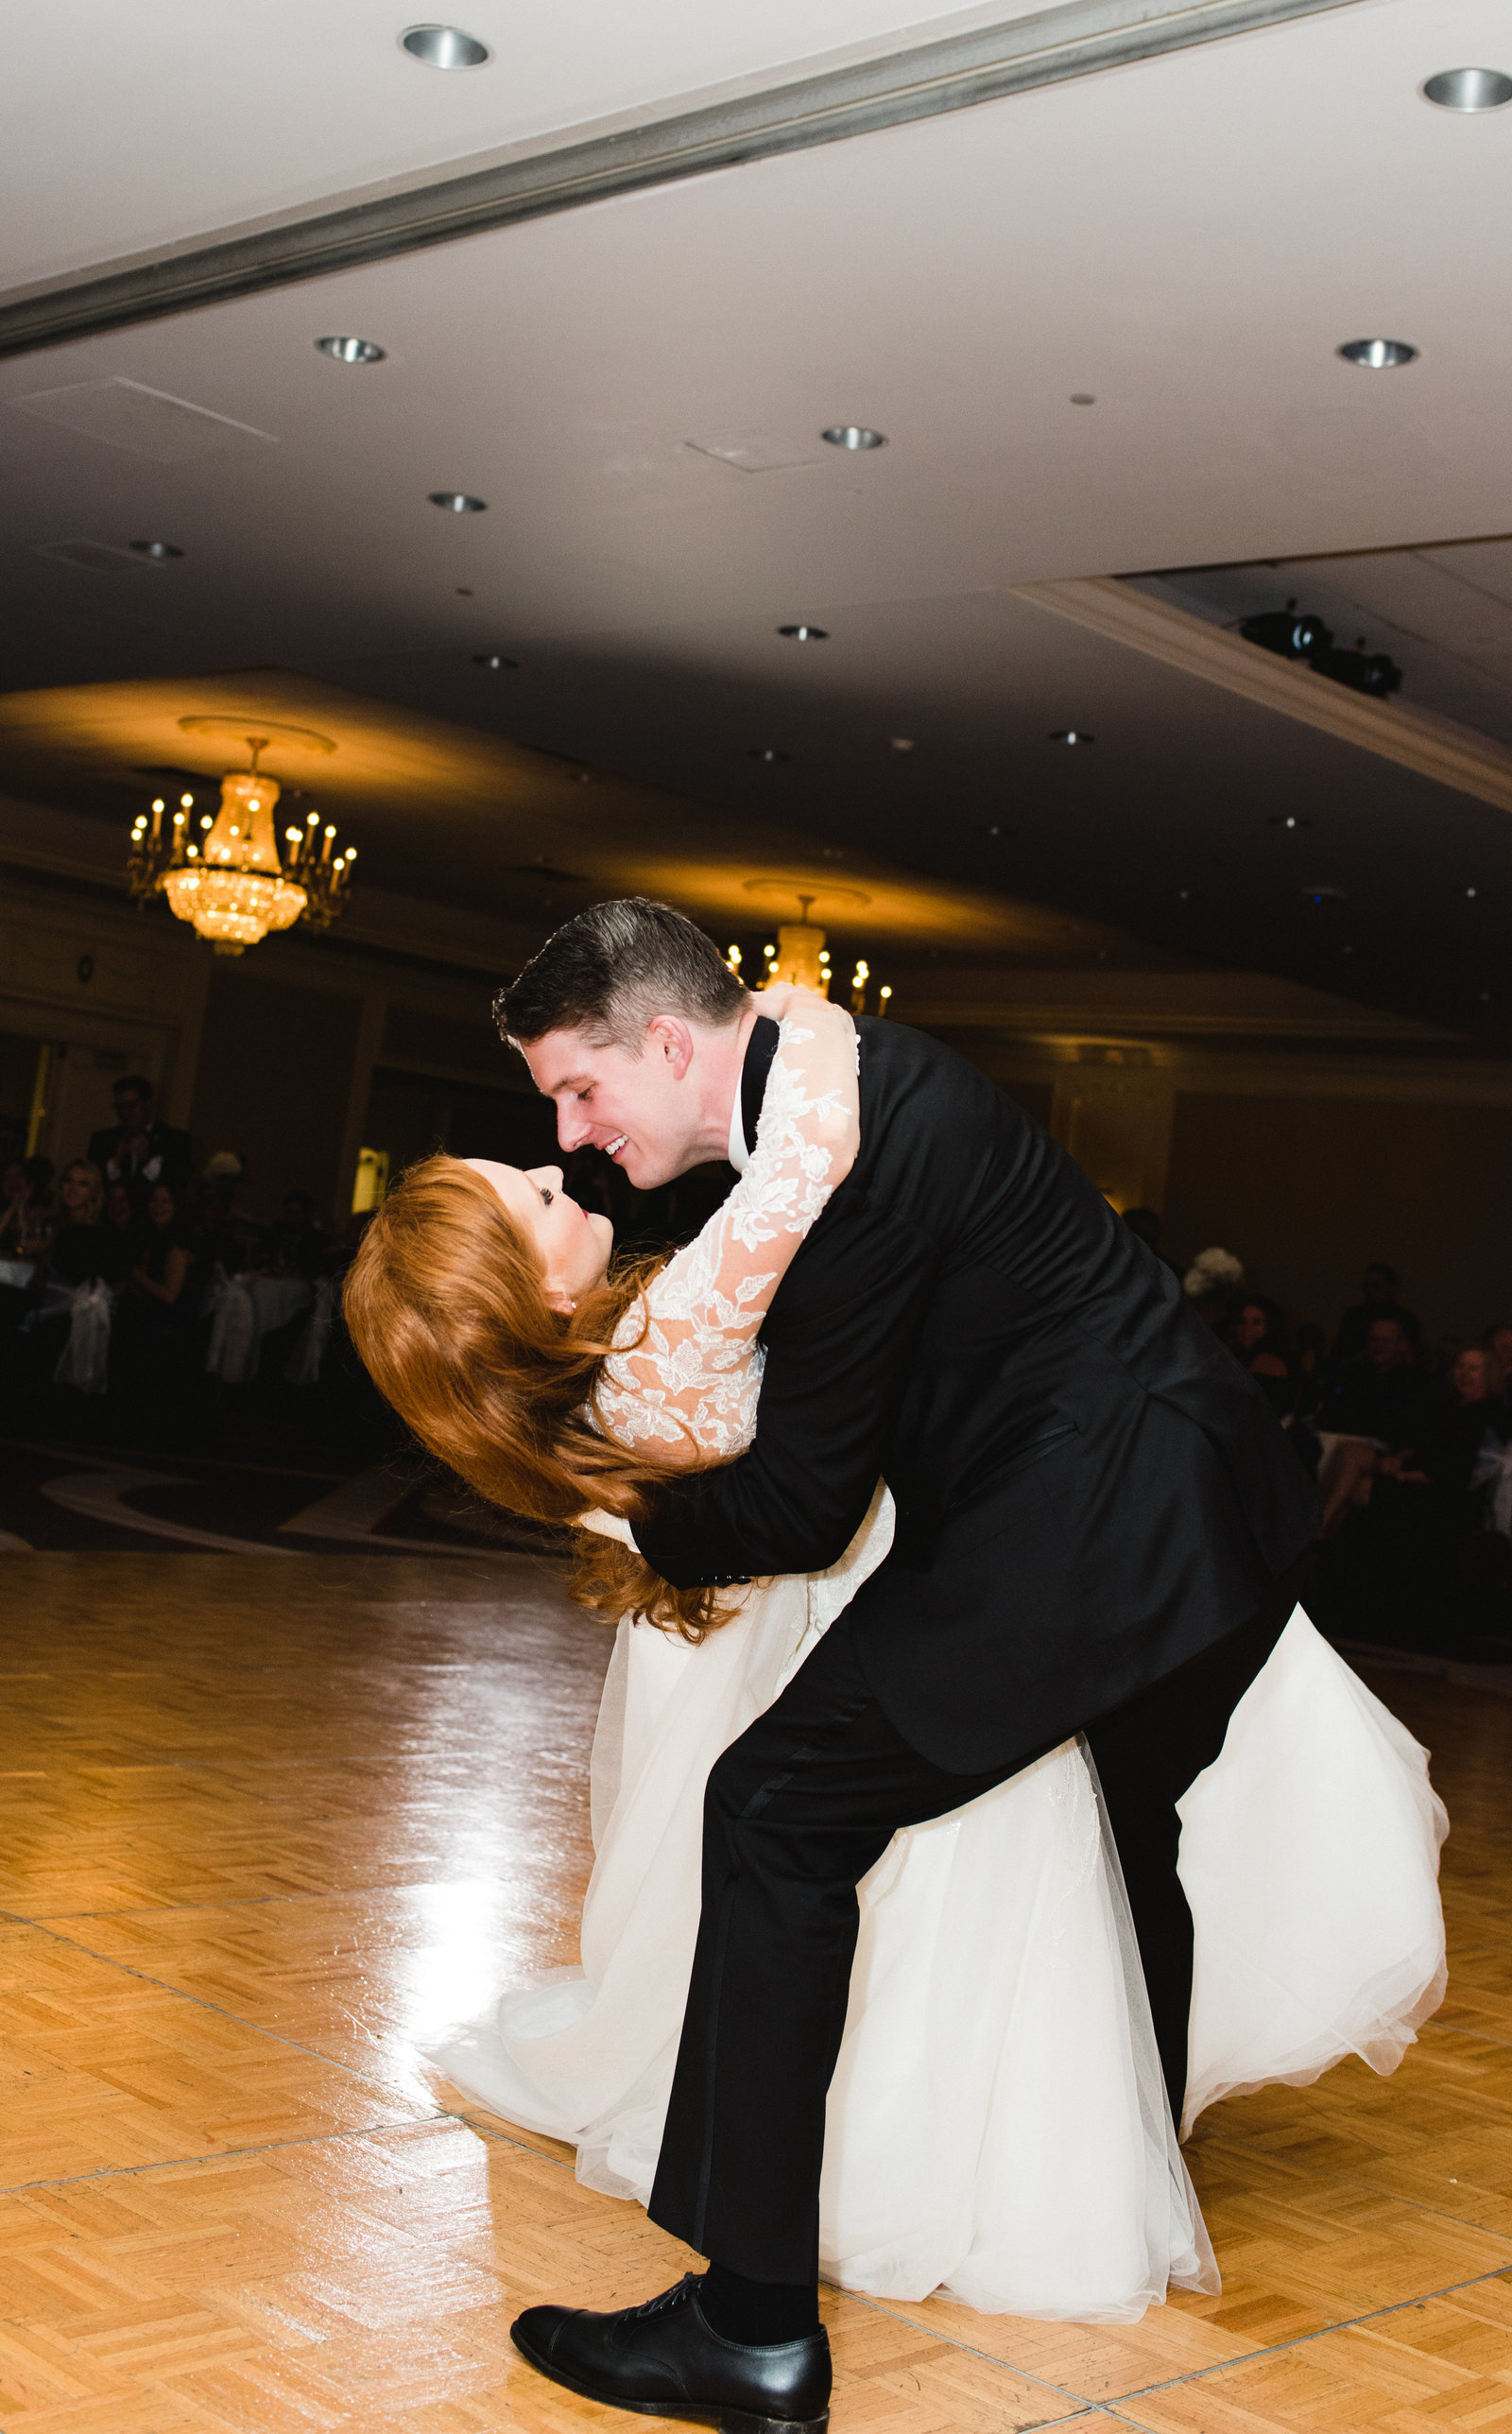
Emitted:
<point x="545" y="835"/>
<point x="1186" y="240"/>
<point x="195" y="113"/>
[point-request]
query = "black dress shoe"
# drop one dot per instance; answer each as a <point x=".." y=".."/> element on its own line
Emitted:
<point x="665" y="2360"/>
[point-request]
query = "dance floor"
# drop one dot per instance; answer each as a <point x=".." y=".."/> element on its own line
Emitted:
<point x="267" y="1820"/>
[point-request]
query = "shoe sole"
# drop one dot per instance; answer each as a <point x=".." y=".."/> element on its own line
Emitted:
<point x="729" y="2421"/>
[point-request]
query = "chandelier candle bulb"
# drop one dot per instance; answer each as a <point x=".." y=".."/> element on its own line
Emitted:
<point x="157" y="820"/>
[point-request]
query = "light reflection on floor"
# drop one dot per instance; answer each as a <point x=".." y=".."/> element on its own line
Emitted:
<point x="266" y="1829"/>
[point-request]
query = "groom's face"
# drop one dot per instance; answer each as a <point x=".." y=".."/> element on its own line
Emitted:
<point x="643" y="1109"/>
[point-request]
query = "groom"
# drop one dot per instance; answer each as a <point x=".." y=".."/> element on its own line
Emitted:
<point x="1100" y="1529"/>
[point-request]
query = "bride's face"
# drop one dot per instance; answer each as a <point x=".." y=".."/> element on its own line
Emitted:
<point x="573" y="1243"/>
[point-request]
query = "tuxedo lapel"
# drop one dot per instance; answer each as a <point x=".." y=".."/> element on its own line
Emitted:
<point x="759" y="1050"/>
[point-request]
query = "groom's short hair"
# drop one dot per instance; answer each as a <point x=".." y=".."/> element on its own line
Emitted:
<point x="610" y="971"/>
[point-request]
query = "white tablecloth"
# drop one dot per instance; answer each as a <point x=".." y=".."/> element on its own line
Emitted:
<point x="244" y="1309"/>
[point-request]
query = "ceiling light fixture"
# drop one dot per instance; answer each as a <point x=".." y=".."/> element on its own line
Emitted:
<point x="1378" y="354"/>
<point x="444" y="46"/>
<point x="1469" y="89"/>
<point x="804" y="633"/>
<point x="1290" y="633"/>
<point x="456" y="502"/>
<point x="352" y="350"/>
<point x="766" y="752"/>
<point x="1082" y="397"/>
<point x="1072" y="736"/>
<point x="853" y="435"/>
<point x="159" y="550"/>
<point x="234" y="887"/>
<point x="494" y="659"/>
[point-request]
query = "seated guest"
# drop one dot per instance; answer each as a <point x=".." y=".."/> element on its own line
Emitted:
<point x="1373" y="1406"/>
<point x="1382" y="1393"/>
<point x="1256" y="1337"/>
<point x="83" y="1245"/>
<point x="1308" y="1344"/>
<point x="162" y="1265"/>
<point x="1455" y="1428"/>
<point x="296" y="1246"/>
<point x="1498" y="1342"/>
<point x="81" y="1250"/>
<point x="120" y="1220"/>
<point x="139" y="1150"/>
<point x="150" y="1346"/>
<point x="25" y="1208"/>
<point x="1147" y="1223"/>
<point x="15" y="1199"/>
<point x="1380" y="1301"/>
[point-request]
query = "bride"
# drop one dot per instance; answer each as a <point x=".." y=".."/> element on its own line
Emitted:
<point x="998" y="2125"/>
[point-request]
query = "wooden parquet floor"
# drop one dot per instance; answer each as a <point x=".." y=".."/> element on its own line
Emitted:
<point x="265" y="1824"/>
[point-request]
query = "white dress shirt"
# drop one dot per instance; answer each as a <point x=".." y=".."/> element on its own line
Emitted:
<point x="739" y="1154"/>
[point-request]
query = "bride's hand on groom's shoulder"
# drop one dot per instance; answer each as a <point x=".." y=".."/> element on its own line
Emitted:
<point x="607" y="1525"/>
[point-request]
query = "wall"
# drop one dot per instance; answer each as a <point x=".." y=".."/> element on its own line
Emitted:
<point x="108" y="991"/>
<point x="274" y="1078"/>
<point x="1305" y="1190"/>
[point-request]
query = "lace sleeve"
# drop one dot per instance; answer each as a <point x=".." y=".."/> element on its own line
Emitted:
<point x="689" y="1386"/>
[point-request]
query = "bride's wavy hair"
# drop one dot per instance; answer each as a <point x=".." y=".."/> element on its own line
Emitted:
<point x="446" y="1303"/>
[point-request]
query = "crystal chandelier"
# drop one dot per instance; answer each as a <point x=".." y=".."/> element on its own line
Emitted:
<point x="800" y="955"/>
<point x="231" y="883"/>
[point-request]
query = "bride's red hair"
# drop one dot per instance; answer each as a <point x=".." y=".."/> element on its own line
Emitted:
<point x="447" y="1307"/>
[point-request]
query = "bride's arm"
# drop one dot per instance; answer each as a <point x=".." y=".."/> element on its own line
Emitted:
<point x="682" y="1387"/>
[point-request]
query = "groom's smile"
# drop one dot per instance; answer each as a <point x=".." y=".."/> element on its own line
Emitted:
<point x="656" y="1106"/>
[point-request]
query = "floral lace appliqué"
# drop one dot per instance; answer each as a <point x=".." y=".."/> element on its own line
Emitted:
<point x="687" y="1358"/>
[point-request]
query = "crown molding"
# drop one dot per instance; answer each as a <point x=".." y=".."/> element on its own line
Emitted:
<point x="594" y="164"/>
<point x="1414" y="739"/>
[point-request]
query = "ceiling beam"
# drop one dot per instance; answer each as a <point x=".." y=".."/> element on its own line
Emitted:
<point x="1416" y="739"/>
<point x="1078" y="38"/>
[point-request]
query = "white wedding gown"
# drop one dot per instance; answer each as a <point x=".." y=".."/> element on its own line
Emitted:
<point x="998" y="2125"/>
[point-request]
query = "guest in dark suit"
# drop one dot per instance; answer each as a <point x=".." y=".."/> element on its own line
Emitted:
<point x="137" y="1150"/>
<point x="1100" y="1527"/>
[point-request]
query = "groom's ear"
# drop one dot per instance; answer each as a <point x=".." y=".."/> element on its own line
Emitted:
<point x="669" y="1038"/>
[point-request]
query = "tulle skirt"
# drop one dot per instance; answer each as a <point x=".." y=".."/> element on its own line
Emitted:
<point x="998" y="2127"/>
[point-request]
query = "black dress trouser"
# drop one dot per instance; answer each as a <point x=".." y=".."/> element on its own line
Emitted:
<point x="796" y="1813"/>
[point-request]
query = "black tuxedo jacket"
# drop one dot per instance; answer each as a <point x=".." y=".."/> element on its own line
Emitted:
<point x="168" y="1158"/>
<point x="1090" y="1490"/>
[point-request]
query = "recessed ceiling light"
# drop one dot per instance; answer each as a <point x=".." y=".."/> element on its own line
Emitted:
<point x="804" y="633"/>
<point x="900" y="743"/>
<point x="853" y="435"/>
<point x="456" y="502"/>
<point x="766" y="752"/>
<point x="351" y="350"/>
<point x="159" y="549"/>
<point x="1072" y="736"/>
<point x="1469" y="89"/>
<point x="1378" y="354"/>
<point x="444" y="46"/>
<point x="1082" y="397"/>
<point x="493" y="659"/>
